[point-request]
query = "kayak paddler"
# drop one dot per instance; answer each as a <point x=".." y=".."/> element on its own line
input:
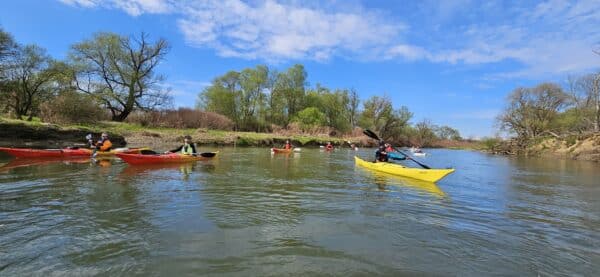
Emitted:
<point x="187" y="148"/>
<point x="381" y="155"/>
<point x="388" y="148"/>
<point x="287" y="145"/>
<point x="329" y="146"/>
<point x="103" y="144"/>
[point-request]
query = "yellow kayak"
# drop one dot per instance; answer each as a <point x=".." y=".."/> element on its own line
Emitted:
<point x="429" y="175"/>
<point x="382" y="178"/>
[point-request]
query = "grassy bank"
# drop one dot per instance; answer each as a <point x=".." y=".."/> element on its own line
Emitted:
<point x="38" y="133"/>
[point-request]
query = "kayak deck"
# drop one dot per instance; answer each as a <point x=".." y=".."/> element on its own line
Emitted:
<point x="65" y="152"/>
<point x="164" y="158"/>
<point x="281" y="150"/>
<point x="429" y="175"/>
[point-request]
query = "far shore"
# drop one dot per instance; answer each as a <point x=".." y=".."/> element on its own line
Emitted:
<point x="19" y="133"/>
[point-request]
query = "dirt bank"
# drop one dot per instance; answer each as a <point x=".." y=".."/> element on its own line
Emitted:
<point x="585" y="148"/>
<point x="46" y="135"/>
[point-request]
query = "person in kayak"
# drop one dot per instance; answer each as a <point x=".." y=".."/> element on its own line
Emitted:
<point x="388" y="148"/>
<point x="287" y="145"/>
<point x="187" y="148"/>
<point x="103" y="144"/>
<point x="381" y="155"/>
<point x="329" y="146"/>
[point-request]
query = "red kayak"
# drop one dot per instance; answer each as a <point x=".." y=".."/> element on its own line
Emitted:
<point x="281" y="150"/>
<point x="164" y="158"/>
<point x="65" y="152"/>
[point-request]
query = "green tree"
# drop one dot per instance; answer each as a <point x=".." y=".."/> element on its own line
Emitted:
<point x="120" y="72"/>
<point x="8" y="50"/>
<point x="352" y="107"/>
<point x="447" y="132"/>
<point x="251" y="96"/>
<point x="378" y="114"/>
<point x="585" y="91"/>
<point x="425" y="133"/>
<point x="309" y="118"/>
<point x="8" y="46"/>
<point x="241" y="96"/>
<point x="531" y="111"/>
<point x="334" y="106"/>
<point x="290" y="89"/>
<point x="28" y="79"/>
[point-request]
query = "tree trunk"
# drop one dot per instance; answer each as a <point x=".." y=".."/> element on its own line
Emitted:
<point x="122" y="116"/>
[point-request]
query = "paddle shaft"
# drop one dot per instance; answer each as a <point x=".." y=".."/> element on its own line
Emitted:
<point x="370" y="133"/>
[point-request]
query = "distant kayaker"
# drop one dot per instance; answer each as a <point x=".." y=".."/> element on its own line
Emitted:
<point x="381" y="155"/>
<point x="103" y="144"/>
<point x="388" y="148"/>
<point x="287" y="145"/>
<point x="187" y="148"/>
<point x="329" y="146"/>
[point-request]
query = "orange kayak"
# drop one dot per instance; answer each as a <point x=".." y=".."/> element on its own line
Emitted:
<point x="281" y="150"/>
<point x="164" y="158"/>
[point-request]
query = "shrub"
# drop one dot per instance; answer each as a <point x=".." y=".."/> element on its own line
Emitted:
<point x="72" y="107"/>
<point x="310" y="118"/>
<point x="182" y="118"/>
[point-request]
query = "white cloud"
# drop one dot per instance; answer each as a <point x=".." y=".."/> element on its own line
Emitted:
<point x="272" y="31"/>
<point x="132" y="7"/>
<point x="550" y="37"/>
<point x="83" y="3"/>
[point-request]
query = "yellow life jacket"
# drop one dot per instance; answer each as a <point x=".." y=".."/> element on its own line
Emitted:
<point x="187" y="149"/>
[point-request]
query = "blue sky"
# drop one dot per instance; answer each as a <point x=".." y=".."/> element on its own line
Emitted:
<point x="452" y="62"/>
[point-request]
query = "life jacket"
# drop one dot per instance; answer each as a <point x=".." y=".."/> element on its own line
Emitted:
<point x="187" y="149"/>
<point x="329" y="146"/>
<point x="105" y="145"/>
<point x="287" y="146"/>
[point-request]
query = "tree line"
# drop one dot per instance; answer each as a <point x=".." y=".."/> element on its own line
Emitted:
<point x="549" y="109"/>
<point x="261" y="99"/>
<point x="113" y="76"/>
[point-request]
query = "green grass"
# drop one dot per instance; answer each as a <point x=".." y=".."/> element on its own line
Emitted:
<point x="215" y="136"/>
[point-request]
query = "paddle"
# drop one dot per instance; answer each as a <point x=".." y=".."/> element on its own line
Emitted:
<point x="206" y="154"/>
<point x="372" y="135"/>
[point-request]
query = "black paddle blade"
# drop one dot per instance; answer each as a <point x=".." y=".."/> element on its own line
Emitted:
<point x="371" y="134"/>
<point x="208" y="154"/>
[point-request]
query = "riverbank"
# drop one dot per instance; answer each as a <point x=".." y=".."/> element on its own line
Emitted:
<point x="576" y="147"/>
<point x="20" y="133"/>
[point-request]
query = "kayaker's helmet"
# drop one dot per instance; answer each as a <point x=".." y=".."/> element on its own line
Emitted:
<point x="187" y="138"/>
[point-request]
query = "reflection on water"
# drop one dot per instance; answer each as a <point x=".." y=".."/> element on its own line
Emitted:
<point x="383" y="179"/>
<point x="248" y="212"/>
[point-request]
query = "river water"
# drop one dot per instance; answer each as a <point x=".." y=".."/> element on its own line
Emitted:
<point x="250" y="213"/>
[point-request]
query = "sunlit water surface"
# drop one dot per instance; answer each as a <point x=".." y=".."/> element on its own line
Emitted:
<point x="252" y="213"/>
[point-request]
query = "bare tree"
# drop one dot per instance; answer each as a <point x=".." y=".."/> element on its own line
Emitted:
<point x="121" y="72"/>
